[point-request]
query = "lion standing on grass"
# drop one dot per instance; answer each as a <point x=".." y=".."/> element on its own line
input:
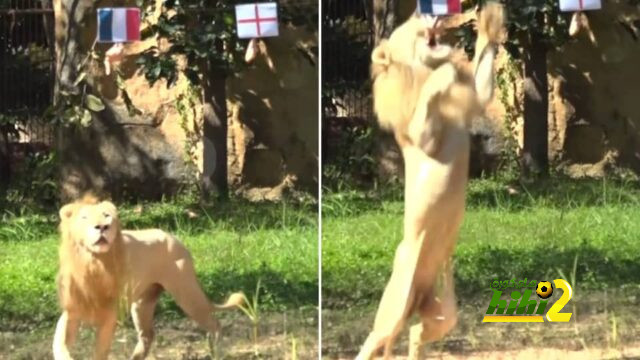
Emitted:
<point x="428" y="103"/>
<point x="100" y="263"/>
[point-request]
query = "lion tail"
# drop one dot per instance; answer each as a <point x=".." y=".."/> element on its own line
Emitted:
<point x="235" y="300"/>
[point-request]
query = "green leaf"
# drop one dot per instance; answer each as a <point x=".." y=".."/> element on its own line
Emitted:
<point x="80" y="78"/>
<point x="155" y="73"/>
<point x="228" y="19"/>
<point x="86" y="118"/>
<point x="120" y="81"/>
<point x="94" y="103"/>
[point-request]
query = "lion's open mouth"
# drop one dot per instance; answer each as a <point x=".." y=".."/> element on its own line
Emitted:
<point x="432" y="42"/>
<point x="101" y="241"/>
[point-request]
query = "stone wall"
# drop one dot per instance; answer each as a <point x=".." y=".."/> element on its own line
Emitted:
<point x="273" y="113"/>
<point x="594" y="92"/>
<point x="119" y="153"/>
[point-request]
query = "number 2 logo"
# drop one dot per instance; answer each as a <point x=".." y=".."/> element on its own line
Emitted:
<point x="554" y="314"/>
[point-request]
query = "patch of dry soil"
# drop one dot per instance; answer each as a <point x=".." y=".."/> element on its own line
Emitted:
<point x="279" y="336"/>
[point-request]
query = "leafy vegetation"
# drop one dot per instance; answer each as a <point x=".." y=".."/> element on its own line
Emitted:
<point x="349" y="153"/>
<point x="533" y="29"/>
<point x="34" y="186"/>
<point x="525" y="18"/>
<point x="204" y="34"/>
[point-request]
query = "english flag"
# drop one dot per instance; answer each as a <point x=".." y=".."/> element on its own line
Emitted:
<point x="439" y="7"/>
<point x="579" y="5"/>
<point x="257" y="20"/>
<point x="118" y="24"/>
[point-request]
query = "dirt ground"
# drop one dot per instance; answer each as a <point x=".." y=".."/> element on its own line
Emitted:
<point x="598" y="330"/>
<point x="537" y="354"/>
<point x="279" y="336"/>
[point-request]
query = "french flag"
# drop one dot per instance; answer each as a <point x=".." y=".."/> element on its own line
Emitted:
<point x="578" y="5"/>
<point x="118" y="25"/>
<point x="439" y="7"/>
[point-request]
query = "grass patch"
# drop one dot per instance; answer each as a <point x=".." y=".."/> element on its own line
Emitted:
<point x="508" y="232"/>
<point x="234" y="245"/>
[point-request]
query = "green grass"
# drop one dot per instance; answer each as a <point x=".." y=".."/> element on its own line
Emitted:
<point x="536" y="233"/>
<point x="234" y="245"/>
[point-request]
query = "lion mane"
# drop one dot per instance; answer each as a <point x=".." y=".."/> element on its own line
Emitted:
<point x="87" y="282"/>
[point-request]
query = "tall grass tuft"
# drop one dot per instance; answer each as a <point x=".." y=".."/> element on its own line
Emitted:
<point x="251" y="309"/>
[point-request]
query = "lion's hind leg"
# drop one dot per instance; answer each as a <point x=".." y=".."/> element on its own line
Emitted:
<point x="396" y="305"/>
<point x="183" y="286"/>
<point x="142" y="314"/>
<point x="438" y="314"/>
<point x="390" y="320"/>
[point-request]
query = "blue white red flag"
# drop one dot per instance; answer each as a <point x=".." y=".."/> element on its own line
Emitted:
<point x="118" y="24"/>
<point x="579" y="5"/>
<point x="439" y="7"/>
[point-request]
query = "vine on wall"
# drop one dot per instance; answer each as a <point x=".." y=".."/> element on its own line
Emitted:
<point x="507" y="78"/>
<point x="187" y="104"/>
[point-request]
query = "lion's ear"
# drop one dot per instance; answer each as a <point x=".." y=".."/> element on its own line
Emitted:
<point x="67" y="211"/>
<point x="381" y="55"/>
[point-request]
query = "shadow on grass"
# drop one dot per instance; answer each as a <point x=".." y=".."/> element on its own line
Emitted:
<point x="558" y="192"/>
<point x="553" y="192"/>
<point x="236" y="214"/>
<point x="475" y="270"/>
<point x="277" y="294"/>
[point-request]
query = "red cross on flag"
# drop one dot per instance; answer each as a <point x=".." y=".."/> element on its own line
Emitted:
<point x="257" y="20"/>
<point x="579" y="5"/>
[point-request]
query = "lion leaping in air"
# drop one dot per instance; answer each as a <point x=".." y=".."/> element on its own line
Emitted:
<point x="428" y="103"/>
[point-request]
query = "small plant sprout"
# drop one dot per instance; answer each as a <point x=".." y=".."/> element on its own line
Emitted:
<point x="573" y="281"/>
<point x="613" y="336"/>
<point x="250" y="308"/>
<point x="123" y="310"/>
<point x="294" y="350"/>
<point x="213" y="340"/>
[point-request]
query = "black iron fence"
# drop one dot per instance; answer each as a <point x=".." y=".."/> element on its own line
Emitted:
<point x="347" y="39"/>
<point x="347" y="112"/>
<point x="26" y="69"/>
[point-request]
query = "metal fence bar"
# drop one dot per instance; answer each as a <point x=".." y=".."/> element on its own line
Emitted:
<point x="27" y="67"/>
<point x="346" y="48"/>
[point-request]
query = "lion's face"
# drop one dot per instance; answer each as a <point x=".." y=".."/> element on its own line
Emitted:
<point x="92" y="226"/>
<point x="417" y="41"/>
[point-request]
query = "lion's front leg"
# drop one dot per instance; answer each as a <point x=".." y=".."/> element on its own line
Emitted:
<point x="484" y="74"/>
<point x="65" y="335"/>
<point x="106" y="330"/>
<point x="425" y="127"/>
<point x="490" y="24"/>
